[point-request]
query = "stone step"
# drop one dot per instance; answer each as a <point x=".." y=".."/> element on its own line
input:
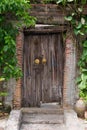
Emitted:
<point x="43" y="110"/>
<point x="42" y="118"/>
<point x="42" y="127"/>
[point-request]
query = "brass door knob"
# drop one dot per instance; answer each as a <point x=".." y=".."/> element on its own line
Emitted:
<point x="37" y="61"/>
<point x="44" y="61"/>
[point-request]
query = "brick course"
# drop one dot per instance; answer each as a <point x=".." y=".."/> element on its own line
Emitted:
<point x="17" y="93"/>
<point x="47" y="14"/>
<point x="69" y="89"/>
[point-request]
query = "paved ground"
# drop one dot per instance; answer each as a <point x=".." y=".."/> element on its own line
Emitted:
<point x="3" y="123"/>
<point x="84" y="123"/>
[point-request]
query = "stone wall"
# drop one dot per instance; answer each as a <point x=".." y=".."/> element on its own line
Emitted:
<point x="10" y="86"/>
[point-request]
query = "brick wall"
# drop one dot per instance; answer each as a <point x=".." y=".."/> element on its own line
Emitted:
<point x="47" y="14"/>
<point x="17" y="92"/>
<point x="69" y="87"/>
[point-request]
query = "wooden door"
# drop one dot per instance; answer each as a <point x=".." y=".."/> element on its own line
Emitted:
<point x="43" y="69"/>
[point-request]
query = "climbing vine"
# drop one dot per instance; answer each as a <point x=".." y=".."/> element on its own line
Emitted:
<point x="14" y="15"/>
<point x="78" y="26"/>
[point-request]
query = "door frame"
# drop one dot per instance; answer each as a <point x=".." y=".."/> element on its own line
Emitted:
<point x="70" y="53"/>
<point x="44" y="29"/>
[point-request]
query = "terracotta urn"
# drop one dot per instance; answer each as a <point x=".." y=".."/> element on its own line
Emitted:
<point x="80" y="107"/>
<point x="85" y="115"/>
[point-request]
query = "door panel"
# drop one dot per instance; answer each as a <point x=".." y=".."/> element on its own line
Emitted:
<point x="43" y="69"/>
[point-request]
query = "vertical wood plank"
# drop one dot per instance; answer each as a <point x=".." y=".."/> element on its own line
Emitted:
<point x="43" y="82"/>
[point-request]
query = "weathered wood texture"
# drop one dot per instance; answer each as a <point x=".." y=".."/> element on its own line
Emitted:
<point x="45" y="29"/>
<point x="43" y="82"/>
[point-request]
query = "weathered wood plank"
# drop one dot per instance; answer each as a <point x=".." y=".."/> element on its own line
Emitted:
<point x="43" y="82"/>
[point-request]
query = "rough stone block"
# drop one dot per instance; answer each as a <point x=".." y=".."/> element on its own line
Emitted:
<point x="72" y="121"/>
<point x="14" y="120"/>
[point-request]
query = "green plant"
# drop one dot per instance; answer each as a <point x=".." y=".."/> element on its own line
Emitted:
<point x="82" y="79"/>
<point x="77" y="23"/>
<point x="13" y="16"/>
<point x="3" y="93"/>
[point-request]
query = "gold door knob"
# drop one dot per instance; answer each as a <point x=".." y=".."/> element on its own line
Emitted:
<point x="37" y="61"/>
<point x="44" y="61"/>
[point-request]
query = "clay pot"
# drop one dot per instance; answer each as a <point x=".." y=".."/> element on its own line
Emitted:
<point x="85" y="115"/>
<point x="80" y="108"/>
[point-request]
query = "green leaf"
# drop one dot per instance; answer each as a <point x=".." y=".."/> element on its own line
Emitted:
<point x="83" y="2"/>
<point x="84" y="70"/>
<point x="85" y="44"/>
<point x="5" y="48"/>
<point x="76" y="31"/>
<point x="70" y="0"/>
<point x="68" y="18"/>
<point x="79" y="26"/>
<point x="59" y="1"/>
<point x="82" y="20"/>
<point x="73" y="14"/>
<point x="78" y="80"/>
<point x="3" y="94"/>
<point x="85" y="26"/>
<point x="82" y="85"/>
<point x="81" y="33"/>
<point x="80" y="9"/>
<point x="2" y="79"/>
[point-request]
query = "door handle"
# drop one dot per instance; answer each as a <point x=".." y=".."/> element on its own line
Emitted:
<point x="37" y="61"/>
<point x="44" y="61"/>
